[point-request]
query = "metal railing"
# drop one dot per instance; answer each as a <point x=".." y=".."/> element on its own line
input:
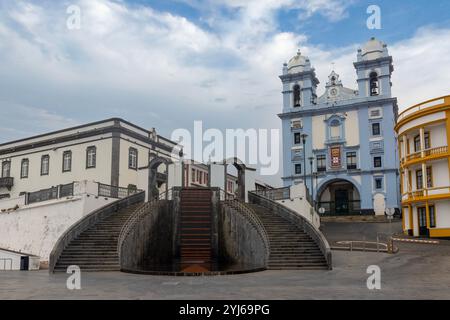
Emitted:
<point x="298" y="220"/>
<point x="4" y="260"/>
<point x="252" y="217"/>
<point x="275" y="194"/>
<point x="42" y="195"/>
<point x="350" y="208"/>
<point x="7" y="182"/>
<point x="66" y="190"/>
<point x="427" y="153"/>
<point x="61" y="191"/>
<point x="108" y="191"/>
<point x="424" y="193"/>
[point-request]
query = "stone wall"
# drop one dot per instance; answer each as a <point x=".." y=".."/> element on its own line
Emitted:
<point x="239" y="241"/>
<point x="151" y="241"/>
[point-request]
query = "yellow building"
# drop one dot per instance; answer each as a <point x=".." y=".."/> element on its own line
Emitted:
<point x="423" y="136"/>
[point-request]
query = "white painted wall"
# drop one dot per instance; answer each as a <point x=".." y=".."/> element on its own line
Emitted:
<point x="352" y="128"/>
<point x="35" y="228"/>
<point x="421" y="120"/>
<point x="319" y="137"/>
<point x="35" y="181"/>
<point x="300" y="205"/>
<point x="11" y="261"/>
<point x="442" y="214"/>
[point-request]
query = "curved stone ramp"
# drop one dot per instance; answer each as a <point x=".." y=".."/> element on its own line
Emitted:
<point x="92" y="243"/>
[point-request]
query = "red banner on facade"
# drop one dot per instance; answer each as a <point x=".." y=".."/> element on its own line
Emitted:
<point x="335" y="157"/>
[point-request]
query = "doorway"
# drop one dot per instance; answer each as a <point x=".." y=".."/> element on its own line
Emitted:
<point x="341" y="200"/>
<point x="422" y="218"/>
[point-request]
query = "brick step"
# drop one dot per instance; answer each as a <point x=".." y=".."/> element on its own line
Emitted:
<point x="289" y="252"/>
<point x="194" y="228"/>
<point x="107" y="255"/>
<point x="90" y="268"/>
<point x="324" y="267"/>
<point x="299" y="264"/>
<point x="287" y="258"/>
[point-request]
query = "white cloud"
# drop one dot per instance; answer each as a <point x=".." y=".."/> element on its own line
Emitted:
<point x="161" y="70"/>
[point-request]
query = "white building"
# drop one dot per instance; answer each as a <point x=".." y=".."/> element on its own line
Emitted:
<point x="113" y="152"/>
<point x="423" y="135"/>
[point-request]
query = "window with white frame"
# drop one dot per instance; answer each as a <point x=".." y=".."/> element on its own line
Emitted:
<point x="132" y="158"/>
<point x="6" y="169"/>
<point x="45" y="165"/>
<point x="91" y="157"/>
<point x="67" y="161"/>
<point x="24" y="168"/>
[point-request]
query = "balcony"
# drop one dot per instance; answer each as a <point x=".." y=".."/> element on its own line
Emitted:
<point x="429" y="154"/>
<point x="436" y="193"/>
<point x="7" y="182"/>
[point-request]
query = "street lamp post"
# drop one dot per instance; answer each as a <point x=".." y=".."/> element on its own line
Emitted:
<point x="311" y="159"/>
<point x="304" y="136"/>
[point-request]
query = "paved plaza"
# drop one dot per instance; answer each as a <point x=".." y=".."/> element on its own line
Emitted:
<point x="418" y="271"/>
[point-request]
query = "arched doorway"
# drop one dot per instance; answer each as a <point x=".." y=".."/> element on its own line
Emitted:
<point x="156" y="178"/>
<point x="339" y="197"/>
<point x="240" y="167"/>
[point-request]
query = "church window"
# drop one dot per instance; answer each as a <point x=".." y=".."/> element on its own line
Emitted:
<point x="298" y="168"/>
<point x="377" y="162"/>
<point x="379" y="183"/>
<point x="374" y="84"/>
<point x="376" y="129"/>
<point x="297" y="96"/>
<point x="297" y="138"/>
<point x="321" y="163"/>
<point x="351" y="161"/>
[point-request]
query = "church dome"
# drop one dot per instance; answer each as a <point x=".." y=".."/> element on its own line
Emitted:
<point x="373" y="49"/>
<point x="298" y="63"/>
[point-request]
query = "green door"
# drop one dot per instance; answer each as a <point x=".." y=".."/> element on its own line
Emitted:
<point x="341" y="201"/>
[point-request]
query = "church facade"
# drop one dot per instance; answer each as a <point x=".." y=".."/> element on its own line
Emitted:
<point x="343" y="143"/>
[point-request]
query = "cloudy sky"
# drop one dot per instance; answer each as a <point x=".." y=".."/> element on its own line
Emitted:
<point x="164" y="64"/>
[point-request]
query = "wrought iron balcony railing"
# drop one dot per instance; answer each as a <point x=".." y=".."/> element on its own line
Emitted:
<point x="7" y="182"/>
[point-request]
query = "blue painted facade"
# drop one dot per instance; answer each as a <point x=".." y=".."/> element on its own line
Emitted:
<point x="350" y="133"/>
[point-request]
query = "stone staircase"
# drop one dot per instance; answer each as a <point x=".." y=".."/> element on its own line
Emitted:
<point x="195" y="228"/>
<point x="96" y="248"/>
<point x="290" y="247"/>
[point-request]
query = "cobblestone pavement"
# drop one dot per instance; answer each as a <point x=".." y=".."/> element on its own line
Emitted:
<point x="418" y="271"/>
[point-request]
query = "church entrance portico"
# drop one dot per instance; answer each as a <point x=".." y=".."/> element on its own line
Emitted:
<point x="339" y="198"/>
